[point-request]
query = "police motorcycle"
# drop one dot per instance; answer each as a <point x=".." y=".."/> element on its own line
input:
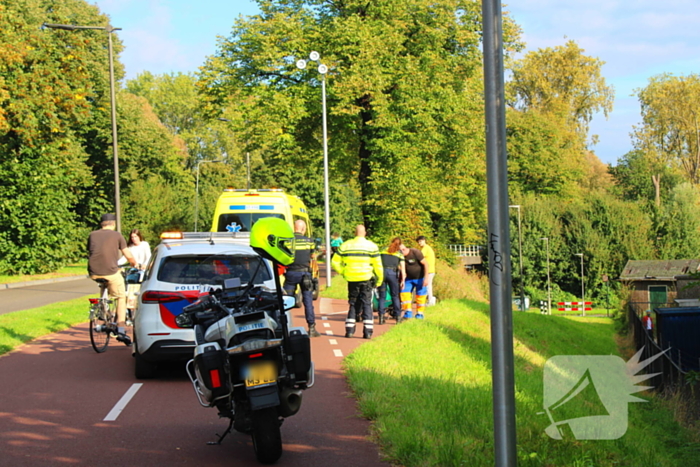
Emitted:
<point x="247" y="362"/>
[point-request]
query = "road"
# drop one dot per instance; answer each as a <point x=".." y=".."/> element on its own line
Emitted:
<point x="59" y="405"/>
<point x="32" y="296"/>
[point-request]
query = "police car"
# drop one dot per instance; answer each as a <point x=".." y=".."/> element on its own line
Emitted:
<point x="183" y="267"/>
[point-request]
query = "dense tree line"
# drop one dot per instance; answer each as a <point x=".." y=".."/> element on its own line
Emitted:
<point x="406" y="145"/>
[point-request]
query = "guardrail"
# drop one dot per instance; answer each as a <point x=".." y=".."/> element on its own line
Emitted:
<point x="465" y="250"/>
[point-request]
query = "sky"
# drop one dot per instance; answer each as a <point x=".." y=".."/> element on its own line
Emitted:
<point x="636" y="40"/>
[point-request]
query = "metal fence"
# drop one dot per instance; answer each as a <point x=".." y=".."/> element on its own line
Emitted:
<point x="670" y="376"/>
<point x="465" y="250"/>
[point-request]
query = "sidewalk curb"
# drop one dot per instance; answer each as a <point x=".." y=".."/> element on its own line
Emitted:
<point x="17" y="285"/>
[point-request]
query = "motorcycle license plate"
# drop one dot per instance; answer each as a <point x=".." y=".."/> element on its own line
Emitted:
<point x="260" y="373"/>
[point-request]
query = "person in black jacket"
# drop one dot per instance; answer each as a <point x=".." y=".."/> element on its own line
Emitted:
<point x="299" y="274"/>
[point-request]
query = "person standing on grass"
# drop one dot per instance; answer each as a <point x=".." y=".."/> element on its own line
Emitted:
<point x="359" y="262"/>
<point x="429" y="255"/>
<point x="416" y="270"/>
<point x="394" y="276"/>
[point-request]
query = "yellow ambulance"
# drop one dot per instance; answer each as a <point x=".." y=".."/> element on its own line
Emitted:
<point x="238" y="209"/>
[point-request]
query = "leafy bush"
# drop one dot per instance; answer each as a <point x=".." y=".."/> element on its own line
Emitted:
<point x="456" y="283"/>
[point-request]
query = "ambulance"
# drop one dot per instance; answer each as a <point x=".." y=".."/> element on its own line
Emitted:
<point x="238" y="209"/>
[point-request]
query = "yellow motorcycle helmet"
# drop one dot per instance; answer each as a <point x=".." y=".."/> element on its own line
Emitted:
<point x="273" y="239"/>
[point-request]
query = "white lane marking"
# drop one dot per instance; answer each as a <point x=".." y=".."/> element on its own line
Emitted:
<point x="329" y="333"/>
<point x="117" y="409"/>
<point x="337" y="352"/>
<point x="326" y="325"/>
<point x="324" y="317"/>
<point x="333" y="341"/>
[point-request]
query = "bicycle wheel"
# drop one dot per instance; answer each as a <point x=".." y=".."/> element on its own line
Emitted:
<point x="100" y="325"/>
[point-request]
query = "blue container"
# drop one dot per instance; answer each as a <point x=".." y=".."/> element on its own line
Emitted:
<point x="678" y="329"/>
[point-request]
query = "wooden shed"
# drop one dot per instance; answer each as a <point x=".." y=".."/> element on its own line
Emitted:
<point x="655" y="282"/>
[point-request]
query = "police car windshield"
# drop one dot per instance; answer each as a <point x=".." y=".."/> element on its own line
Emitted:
<point x="207" y="269"/>
<point x="242" y="221"/>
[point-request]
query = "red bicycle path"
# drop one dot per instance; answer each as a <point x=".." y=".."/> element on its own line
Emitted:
<point x="56" y="392"/>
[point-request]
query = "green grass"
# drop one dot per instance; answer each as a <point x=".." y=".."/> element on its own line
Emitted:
<point x="71" y="270"/>
<point x="338" y="289"/>
<point x="23" y="326"/>
<point x="426" y="385"/>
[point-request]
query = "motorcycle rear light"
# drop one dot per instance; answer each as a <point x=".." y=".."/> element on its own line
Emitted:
<point x="94" y="301"/>
<point x="255" y="355"/>
<point x="153" y="296"/>
<point x="215" y="379"/>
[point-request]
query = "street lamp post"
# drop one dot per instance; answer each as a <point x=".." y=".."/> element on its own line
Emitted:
<point x="115" y="152"/>
<point x="520" y="251"/>
<point x="583" y="295"/>
<point x="549" y="288"/>
<point x="323" y="69"/>
<point x="196" y="196"/>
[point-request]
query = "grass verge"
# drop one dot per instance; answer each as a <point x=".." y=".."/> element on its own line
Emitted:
<point x="19" y="327"/>
<point x="71" y="270"/>
<point x="426" y="385"/>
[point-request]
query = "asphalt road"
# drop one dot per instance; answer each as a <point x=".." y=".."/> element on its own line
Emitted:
<point x="32" y="296"/>
<point x="60" y="405"/>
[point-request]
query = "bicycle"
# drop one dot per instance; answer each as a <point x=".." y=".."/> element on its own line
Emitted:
<point x="103" y="312"/>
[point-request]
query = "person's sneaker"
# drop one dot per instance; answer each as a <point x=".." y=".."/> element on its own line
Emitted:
<point x="349" y="333"/>
<point x="382" y="320"/>
<point x="124" y="339"/>
<point x="419" y="316"/>
<point x="366" y="335"/>
<point x="408" y="315"/>
<point x="313" y="332"/>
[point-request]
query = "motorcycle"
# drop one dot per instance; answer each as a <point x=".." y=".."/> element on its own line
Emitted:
<point x="248" y="363"/>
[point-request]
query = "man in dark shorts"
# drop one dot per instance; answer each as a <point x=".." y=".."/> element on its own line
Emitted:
<point x="105" y="247"/>
<point x="416" y="270"/>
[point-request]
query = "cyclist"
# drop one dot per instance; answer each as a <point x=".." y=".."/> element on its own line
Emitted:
<point x="105" y="247"/>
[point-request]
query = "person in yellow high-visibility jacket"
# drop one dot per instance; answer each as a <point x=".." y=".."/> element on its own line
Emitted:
<point x="359" y="262"/>
<point x="429" y="255"/>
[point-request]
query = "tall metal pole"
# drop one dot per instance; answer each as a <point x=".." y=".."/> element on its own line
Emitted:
<point x="500" y="268"/>
<point x="520" y="256"/>
<point x="115" y="151"/>
<point x="325" y="184"/>
<point x="323" y="69"/>
<point x="583" y="295"/>
<point x="549" y="287"/>
<point x="247" y="163"/>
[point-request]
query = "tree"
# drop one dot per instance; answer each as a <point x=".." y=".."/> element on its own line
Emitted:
<point x="564" y="82"/>
<point x="540" y="157"/>
<point x="670" y="131"/>
<point x="404" y="99"/>
<point x="635" y="176"/>
<point x="51" y="82"/>
<point x="677" y="224"/>
<point x="553" y="94"/>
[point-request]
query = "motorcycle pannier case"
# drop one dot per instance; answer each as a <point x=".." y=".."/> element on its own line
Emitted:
<point x="210" y="364"/>
<point x="300" y="348"/>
